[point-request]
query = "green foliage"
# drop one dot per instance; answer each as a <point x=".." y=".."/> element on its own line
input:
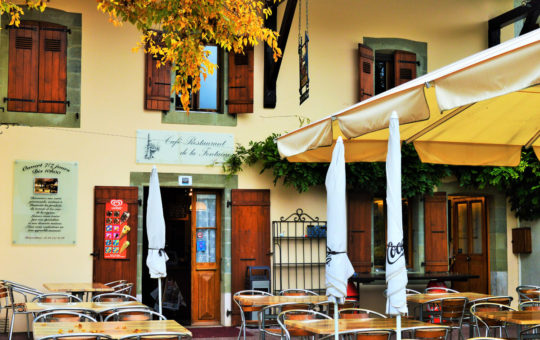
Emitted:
<point x="520" y="184"/>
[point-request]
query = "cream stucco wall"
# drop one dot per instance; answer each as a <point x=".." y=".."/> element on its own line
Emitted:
<point x="112" y="109"/>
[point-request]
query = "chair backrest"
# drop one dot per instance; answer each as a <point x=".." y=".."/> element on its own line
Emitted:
<point x="488" y="306"/>
<point x="123" y="288"/>
<point x="486" y="338"/>
<point x="249" y="308"/>
<point x="365" y="334"/>
<point x="134" y="314"/>
<point x="528" y="292"/>
<point x="298" y="314"/>
<point x="18" y="290"/>
<point x="296" y="292"/>
<point x="115" y="283"/>
<point x="106" y="312"/>
<point x="530" y="333"/>
<point x="64" y="316"/>
<point x="449" y="309"/>
<point x="529" y="305"/>
<point x="430" y="333"/>
<point x="359" y="313"/>
<point x="77" y="336"/>
<point x="156" y="336"/>
<point x="56" y="298"/>
<point x="409" y="291"/>
<point x="431" y="290"/>
<point x="114" y="297"/>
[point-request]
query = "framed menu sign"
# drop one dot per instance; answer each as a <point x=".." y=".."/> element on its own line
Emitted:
<point x="116" y="229"/>
<point x="45" y="202"/>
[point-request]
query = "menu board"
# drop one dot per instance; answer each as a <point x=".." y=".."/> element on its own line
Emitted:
<point x="116" y="229"/>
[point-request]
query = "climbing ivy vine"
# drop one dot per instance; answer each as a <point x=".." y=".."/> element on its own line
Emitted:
<point x="520" y="184"/>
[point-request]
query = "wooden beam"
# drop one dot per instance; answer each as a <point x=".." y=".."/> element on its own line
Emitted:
<point x="522" y="12"/>
<point x="271" y="67"/>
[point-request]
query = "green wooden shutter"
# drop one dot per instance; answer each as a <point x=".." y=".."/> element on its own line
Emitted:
<point x="23" y="67"/>
<point x="365" y="72"/>
<point x="52" y="68"/>
<point x="241" y="82"/>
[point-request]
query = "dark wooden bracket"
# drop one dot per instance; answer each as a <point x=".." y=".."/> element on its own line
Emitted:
<point x="529" y="11"/>
<point x="271" y="67"/>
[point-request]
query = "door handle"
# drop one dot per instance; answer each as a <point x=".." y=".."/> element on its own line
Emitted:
<point x="95" y="254"/>
<point x="270" y="253"/>
<point x="247" y="259"/>
<point x="468" y="258"/>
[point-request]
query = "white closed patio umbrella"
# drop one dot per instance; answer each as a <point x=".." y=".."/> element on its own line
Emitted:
<point x="155" y="230"/>
<point x="396" y="270"/>
<point x="338" y="266"/>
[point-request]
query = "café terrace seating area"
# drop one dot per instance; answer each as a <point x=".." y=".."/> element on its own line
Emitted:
<point x="109" y="311"/>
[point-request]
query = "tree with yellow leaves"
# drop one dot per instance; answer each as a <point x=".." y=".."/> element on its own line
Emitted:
<point x="187" y="26"/>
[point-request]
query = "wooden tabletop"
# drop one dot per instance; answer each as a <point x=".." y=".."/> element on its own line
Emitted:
<point x="525" y="317"/>
<point x="116" y="329"/>
<point x="97" y="307"/>
<point x="265" y="300"/>
<point x="78" y="287"/>
<point x="423" y="298"/>
<point x="326" y="326"/>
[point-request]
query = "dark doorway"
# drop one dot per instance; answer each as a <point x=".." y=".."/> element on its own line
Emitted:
<point x="176" y="287"/>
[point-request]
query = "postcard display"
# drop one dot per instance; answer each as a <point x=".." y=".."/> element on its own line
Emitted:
<point x="116" y="229"/>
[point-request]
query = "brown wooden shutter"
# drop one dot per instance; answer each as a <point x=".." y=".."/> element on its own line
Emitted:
<point x="359" y="231"/>
<point x="157" y="85"/>
<point x="107" y="270"/>
<point x="250" y="241"/>
<point x="23" y="67"/>
<point x="365" y="72"/>
<point x="436" y="232"/>
<point x="241" y="81"/>
<point x="404" y="66"/>
<point x="52" y="68"/>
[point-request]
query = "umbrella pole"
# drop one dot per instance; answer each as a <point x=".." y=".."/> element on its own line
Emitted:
<point x="159" y="294"/>
<point x="336" y="328"/>
<point x="398" y="327"/>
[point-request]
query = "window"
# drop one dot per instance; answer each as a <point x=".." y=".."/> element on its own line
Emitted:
<point x="393" y="68"/>
<point x="37" y="68"/>
<point x="379" y="232"/>
<point x="208" y="99"/>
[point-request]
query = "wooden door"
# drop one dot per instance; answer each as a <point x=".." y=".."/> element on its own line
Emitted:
<point x="470" y="243"/>
<point x="105" y="222"/>
<point x="250" y="242"/>
<point x="205" y="257"/>
<point x="359" y="231"/>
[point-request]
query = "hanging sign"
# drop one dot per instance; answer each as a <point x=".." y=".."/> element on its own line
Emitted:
<point x="304" y="74"/>
<point x="116" y="229"/>
<point x="45" y="202"/>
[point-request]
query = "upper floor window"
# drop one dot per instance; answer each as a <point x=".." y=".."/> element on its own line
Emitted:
<point x="37" y="75"/>
<point x="393" y="68"/>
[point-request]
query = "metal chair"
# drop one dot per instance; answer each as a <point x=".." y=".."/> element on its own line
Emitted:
<point x="297" y="314"/>
<point x="364" y="334"/>
<point x="359" y="313"/>
<point x="114" y="297"/>
<point x="123" y="288"/>
<point x="296" y="292"/>
<point x="77" y="336"/>
<point x="157" y="336"/>
<point x="528" y="293"/>
<point x="530" y="333"/>
<point x="267" y="317"/>
<point x="106" y="312"/>
<point x="489" y="324"/>
<point x="529" y="305"/>
<point x="16" y="293"/>
<point x="56" y="298"/>
<point x="409" y="291"/>
<point x="248" y="309"/>
<point x="432" y="290"/>
<point x="449" y="312"/>
<point x="63" y="316"/>
<point x="115" y="283"/>
<point x="134" y="314"/>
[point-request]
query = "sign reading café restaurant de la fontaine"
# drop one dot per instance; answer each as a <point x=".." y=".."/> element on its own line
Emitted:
<point x="45" y="202"/>
<point x="178" y="147"/>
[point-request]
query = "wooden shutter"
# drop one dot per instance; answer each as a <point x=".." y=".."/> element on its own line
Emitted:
<point x="250" y="242"/>
<point x="404" y="66"/>
<point x="52" y="68"/>
<point x="241" y="81"/>
<point x="436" y="232"/>
<point x="359" y="231"/>
<point x="23" y="67"/>
<point x="365" y="72"/>
<point x="157" y="84"/>
<point x="107" y="270"/>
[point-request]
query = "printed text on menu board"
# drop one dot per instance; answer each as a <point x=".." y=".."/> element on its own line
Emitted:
<point x="116" y="229"/>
